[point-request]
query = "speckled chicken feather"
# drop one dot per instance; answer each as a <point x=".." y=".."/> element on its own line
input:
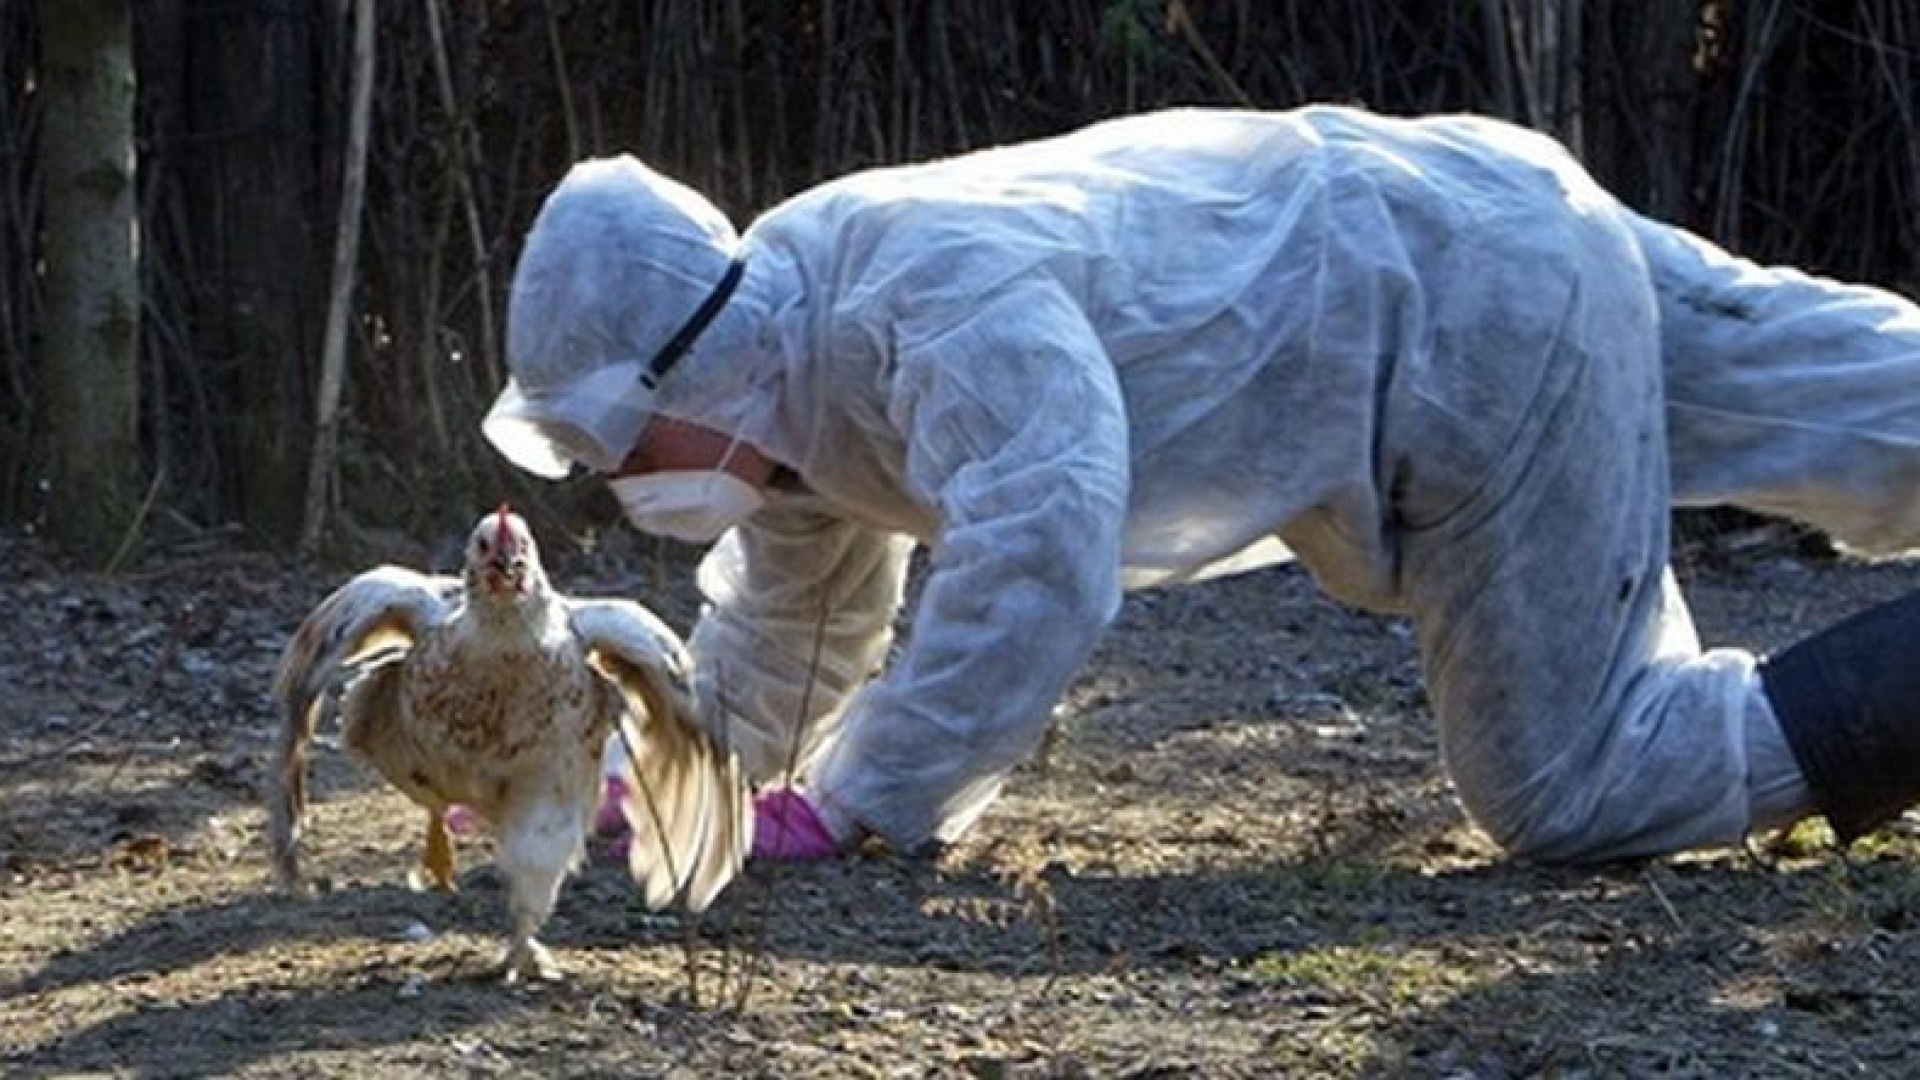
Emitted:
<point x="494" y="691"/>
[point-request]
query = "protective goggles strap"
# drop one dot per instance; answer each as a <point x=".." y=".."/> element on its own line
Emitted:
<point x="677" y="346"/>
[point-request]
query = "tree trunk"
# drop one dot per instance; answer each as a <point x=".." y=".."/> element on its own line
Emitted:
<point x="91" y="316"/>
<point x="254" y="183"/>
<point x="20" y="422"/>
<point x="1648" y="103"/>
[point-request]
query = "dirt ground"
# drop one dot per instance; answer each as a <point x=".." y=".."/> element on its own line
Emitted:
<point x="1239" y="858"/>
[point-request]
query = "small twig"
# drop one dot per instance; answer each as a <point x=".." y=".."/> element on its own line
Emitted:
<point x="666" y="851"/>
<point x="1036" y="892"/>
<point x="467" y="161"/>
<point x="139" y="520"/>
<point x="726" y="951"/>
<point x="1758" y="852"/>
<point x="346" y="259"/>
<point x="806" y="692"/>
<point x="561" y="84"/>
<point x="764" y="913"/>
<point x="1180" y="19"/>
<point x="1653" y="885"/>
<point x="1733" y="149"/>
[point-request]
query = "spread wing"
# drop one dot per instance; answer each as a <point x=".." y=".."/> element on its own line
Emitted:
<point x="687" y="803"/>
<point x="382" y="611"/>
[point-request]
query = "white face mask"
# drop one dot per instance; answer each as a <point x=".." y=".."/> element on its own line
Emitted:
<point x="691" y="505"/>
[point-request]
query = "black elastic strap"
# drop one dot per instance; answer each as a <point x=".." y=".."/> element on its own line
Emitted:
<point x="677" y="346"/>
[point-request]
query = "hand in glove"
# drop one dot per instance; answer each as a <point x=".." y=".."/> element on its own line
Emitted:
<point x="787" y="826"/>
<point x="464" y="820"/>
<point x="610" y="820"/>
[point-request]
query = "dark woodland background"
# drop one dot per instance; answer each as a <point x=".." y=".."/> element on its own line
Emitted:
<point x="1784" y="128"/>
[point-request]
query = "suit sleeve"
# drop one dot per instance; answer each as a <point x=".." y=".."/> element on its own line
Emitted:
<point x="800" y="610"/>
<point x="1017" y="434"/>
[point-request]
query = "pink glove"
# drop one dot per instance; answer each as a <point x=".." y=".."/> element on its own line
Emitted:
<point x="610" y="821"/>
<point x="464" y="820"/>
<point x="611" y="818"/>
<point x="786" y="826"/>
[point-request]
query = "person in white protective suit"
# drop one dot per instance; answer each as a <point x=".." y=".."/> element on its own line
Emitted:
<point x="1430" y="358"/>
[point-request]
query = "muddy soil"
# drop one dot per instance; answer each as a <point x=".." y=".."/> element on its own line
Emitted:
<point x="1238" y="857"/>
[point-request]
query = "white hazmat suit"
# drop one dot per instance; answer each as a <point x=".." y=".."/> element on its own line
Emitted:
<point x="1424" y="356"/>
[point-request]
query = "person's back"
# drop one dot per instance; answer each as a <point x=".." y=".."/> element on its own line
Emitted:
<point x="1313" y="256"/>
<point x="1151" y="220"/>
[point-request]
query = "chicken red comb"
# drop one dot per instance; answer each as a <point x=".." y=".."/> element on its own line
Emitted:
<point x="502" y="536"/>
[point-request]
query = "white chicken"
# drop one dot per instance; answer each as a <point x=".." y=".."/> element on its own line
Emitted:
<point x="494" y="691"/>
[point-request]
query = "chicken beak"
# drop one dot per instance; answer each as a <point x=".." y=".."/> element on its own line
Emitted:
<point x="508" y="569"/>
<point x="501" y="573"/>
